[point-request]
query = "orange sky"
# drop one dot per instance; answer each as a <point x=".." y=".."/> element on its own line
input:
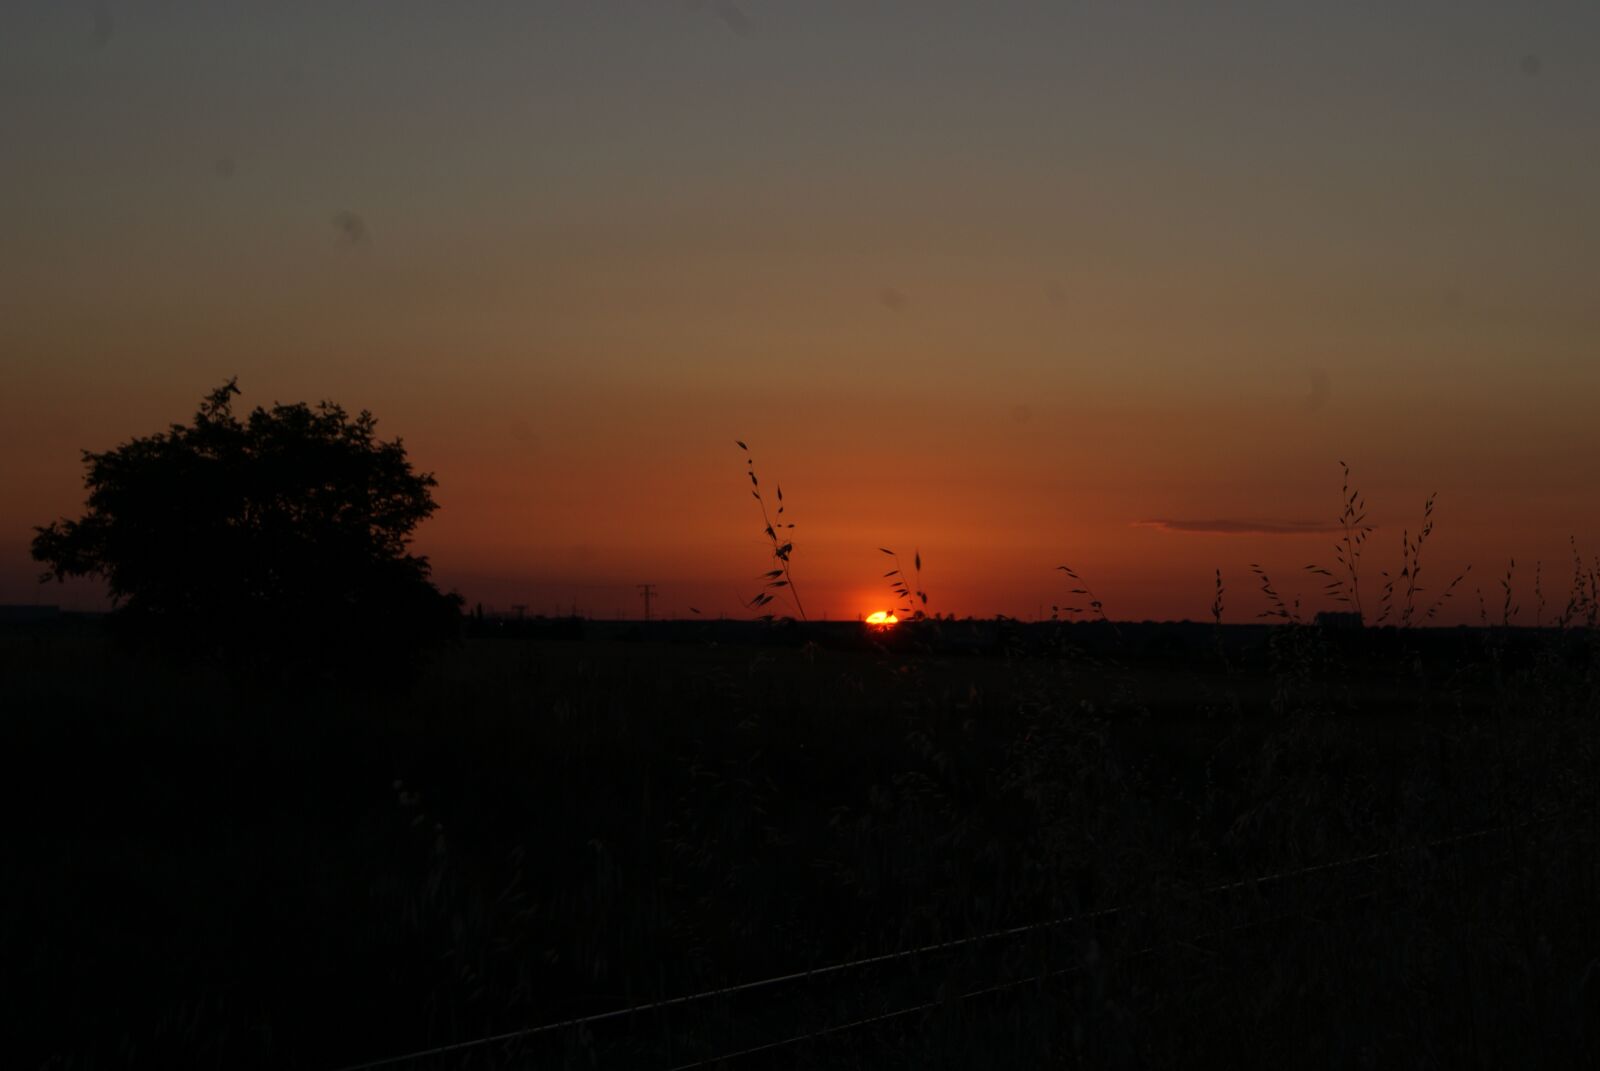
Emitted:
<point x="996" y="287"/>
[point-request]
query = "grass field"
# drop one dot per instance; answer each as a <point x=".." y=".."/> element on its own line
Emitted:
<point x="199" y="873"/>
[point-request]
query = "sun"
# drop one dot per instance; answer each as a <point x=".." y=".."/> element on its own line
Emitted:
<point x="882" y="619"/>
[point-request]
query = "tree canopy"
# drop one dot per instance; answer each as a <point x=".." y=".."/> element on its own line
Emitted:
<point x="278" y="537"/>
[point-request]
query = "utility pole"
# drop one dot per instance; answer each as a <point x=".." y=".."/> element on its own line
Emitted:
<point x="648" y="592"/>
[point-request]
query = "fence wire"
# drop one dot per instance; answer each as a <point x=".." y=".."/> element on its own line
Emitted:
<point x="834" y="969"/>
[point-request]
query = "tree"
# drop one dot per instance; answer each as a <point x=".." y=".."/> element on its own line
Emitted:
<point x="274" y="541"/>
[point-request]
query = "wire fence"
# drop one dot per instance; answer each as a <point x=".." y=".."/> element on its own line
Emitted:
<point x="1259" y="885"/>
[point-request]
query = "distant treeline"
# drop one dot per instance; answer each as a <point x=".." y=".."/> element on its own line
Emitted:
<point x="997" y="636"/>
<point x="1200" y="644"/>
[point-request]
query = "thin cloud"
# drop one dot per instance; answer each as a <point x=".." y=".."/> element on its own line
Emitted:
<point x="1232" y="526"/>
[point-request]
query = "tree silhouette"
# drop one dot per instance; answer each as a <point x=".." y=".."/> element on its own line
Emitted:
<point x="274" y="542"/>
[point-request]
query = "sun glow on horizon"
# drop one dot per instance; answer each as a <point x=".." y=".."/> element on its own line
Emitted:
<point x="882" y="619"/>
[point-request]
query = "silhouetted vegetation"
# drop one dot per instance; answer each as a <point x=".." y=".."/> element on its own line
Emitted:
<point x="777" y="531"/>
<point x="1325" y="847"/>
<point x="960" y="844"/>
<point x="911" y="600"/>
<point x="276" y="542"/>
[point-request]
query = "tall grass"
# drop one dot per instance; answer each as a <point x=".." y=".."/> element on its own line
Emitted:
<point x="1216" y="621"/>
<point x="912" y="600"/>
<point x="1345" y="587"/>
<point x="777" y="532"/>
<point x="1091" y="601"/>
<point x="1403" y="607"/>
<point x="1276" y="607"/>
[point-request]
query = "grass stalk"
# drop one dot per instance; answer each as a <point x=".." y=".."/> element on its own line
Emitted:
<point x="776" y="528"/>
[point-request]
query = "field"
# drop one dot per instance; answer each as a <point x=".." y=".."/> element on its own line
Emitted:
<point x="1065" y="845"/>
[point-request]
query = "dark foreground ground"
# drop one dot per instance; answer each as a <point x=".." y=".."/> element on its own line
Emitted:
<point x="1070" y="847"/>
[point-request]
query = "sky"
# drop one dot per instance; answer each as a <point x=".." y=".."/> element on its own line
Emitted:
<point x="1017" y="285"/>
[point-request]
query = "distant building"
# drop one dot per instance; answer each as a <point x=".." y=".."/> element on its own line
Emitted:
<point x="1339" y="619"/>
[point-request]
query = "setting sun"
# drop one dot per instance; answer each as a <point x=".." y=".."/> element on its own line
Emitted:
<point x="882" y="619"/>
